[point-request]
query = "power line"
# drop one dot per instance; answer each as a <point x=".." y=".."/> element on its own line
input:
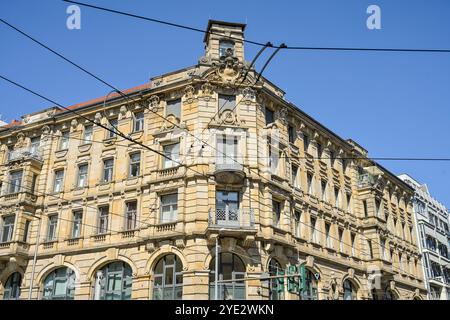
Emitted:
<point x="181" y="26"/>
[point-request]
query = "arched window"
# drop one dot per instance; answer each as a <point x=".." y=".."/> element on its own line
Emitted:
<point x="232" y="268"/>
<point x="226" y="46"/>
<point x="310" y="287"/>
<point x="12" y="287"/>
<point x="389" y="294"/>
<point x="113" y="282"/>
<point x="168" y="279"/>
<point x="349" y="290"/>
<point x="59" y="285"/>
<point x="276" y="291"/>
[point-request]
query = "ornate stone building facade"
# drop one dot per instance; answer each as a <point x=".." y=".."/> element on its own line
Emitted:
<point x="87" y="214"/>
<point x="433" y="232"/>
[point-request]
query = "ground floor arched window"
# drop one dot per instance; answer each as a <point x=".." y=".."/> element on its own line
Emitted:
<point x="309" y="291"/>
<point x="59" y="285"/>
<point x="168" y="278"/>
<point x="389" y="294"/>
<point x="276" y="290"/>
<point x="231" y="268"/>
<point x="350" y="292"/>
<point x="113" y="282"/>
<point x="12" y="287"/>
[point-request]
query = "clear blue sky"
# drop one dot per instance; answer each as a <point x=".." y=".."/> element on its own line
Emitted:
<point x="393" y="104"/>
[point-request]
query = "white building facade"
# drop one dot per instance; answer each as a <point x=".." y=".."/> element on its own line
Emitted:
<point x="432" y="219"/>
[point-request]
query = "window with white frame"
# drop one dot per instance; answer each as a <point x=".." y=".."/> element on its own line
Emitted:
<point x="15" y="184"/>
<point x="171" y="155"/>
<point x="7" y="228"/>
<point x="329" y="241"/>
<point x="138" y="123"/>
<point x="226" y="102"/>
<point x="64" y="141"/>
<point x="76" y="224"/>
<point x="59" y="179"/>
<point x="130" y="215"/>
<point x="108" y="167"/>
<point x="103" y="219"/>
<point x="298" y="224"/>
<point x="227" y="149"/>
<point x="135" y="164"/>
<point x="51" y="227"/>
<point x="88" y="130"/>
<point x="82" y="175"/>
<point x="226" y="46"/>
<point x="313" y="230"/>
<point x="34" y="145"/>
<point x="294" y="171"/>
<point x="169" y="208"/>
<point x="174" y="108"/>
<point x="112" y="125"/>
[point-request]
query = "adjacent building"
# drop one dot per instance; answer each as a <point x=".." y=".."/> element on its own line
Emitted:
<point x="217" y="157"/>
<point x="434" y="239"/>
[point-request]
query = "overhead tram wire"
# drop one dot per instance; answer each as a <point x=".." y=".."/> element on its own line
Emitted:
<point x="257" y="43"/>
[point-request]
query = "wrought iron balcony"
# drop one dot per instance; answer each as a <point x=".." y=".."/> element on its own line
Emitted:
<point x="231" y="218"/>
<point x="24" y="154"/>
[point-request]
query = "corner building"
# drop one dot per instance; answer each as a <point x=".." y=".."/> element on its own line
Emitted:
<point x="86" y="214"/>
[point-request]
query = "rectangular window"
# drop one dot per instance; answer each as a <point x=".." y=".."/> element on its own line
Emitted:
<point x="224" y="47"/>
<point x="377" y="207"/>
<point x="33" y="182"/>
<point x="329" y="242"/>
<point x="269" y="116"/>
<point x="276" y="212"/>
<point x="7" y="228"/>
<point x="324" y="190"/>
<point x="88" y="134"/>
<point x="15" y="185"/>
<point x="112" y="128"/>
<point x="138" y="124"/>
<point x="313" y="230"/>
<point x="294" y="175"/>
<point x="369" y="249"/>
<point x="337" y="198"/>
<point x="227" y="149"/>
<point x="34" y="145"/>
<point x="319" y="150"/>
<point x="332" y="158"/>
<point x="58" y="183"/>
<point x="172" y="155"/>
<point x="169" y="208"/>
<point x="383" y="249"/>
<point x="349" y="202"/>
<point x="341" y="240"/>
<point x="309" y="180"/>
<point x="76" y="224"/>
<point x="174" y="108"/>
<point x="103" y="219"/>
<point x="305" y="143"/>
<point x="131" y="215"/>
<point x="26" y="231"/>
<point x="297" y="217"/>
<point x="82" y="175"/>
<point x="64" y="141"/>
<point x="291" y="133"/>
<point x="51" y="230"/>
<point x="226" y="102"/>
<point x="366" y="212"/>
<point x="353" y="243"/>
<point x="108" y="167"/>
<point x="135" y="164"/>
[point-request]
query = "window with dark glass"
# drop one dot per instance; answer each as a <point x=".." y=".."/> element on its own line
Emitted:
<point x="7" y="228"/>
<point x="231" y="267"/>
<point x="112" y="125"/>
<point x="226" y="47"/>
<point x="15" y="184"/>
<point x="103" y="219"/>
<point x="108" y="167"/>
<point x="291" y="133"/>
<point x="138" y="123"/>
<point x="76" y="224"/>
<point x="135" y="164"/>
<point x="130" y="215"/>
<point x="349" y="290"/>
<point x="168" y="279"/>
<point x="113" y="282"/>
<point x="269" y="116"/>
<point x="59" y="285"/>
<point x="11" y="289"/>
<point x="174" y="108"/>
<point x="275" y="288"/>
<point x="276" y="210"/>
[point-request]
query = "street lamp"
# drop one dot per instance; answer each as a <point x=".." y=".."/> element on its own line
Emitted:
<point x="216" y="275"/>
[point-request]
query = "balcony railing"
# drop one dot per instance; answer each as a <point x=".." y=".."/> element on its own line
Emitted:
<point x="25" y="153"/>
<point x="232" y="218"/>
<point x="229" y="166"/>
<point x="366" y="180"/>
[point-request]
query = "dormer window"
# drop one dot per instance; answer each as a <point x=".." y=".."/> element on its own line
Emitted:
<point x="226" y="47"/>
